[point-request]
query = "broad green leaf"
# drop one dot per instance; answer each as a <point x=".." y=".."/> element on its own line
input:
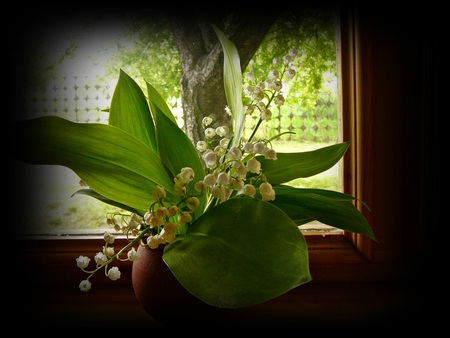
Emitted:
<point x="232" y="77"/>
<point x="112" y="162"/>
<point x="242" y="252"/>
<point x="290" y="166"/>
<point x="129" y="111"/>
<point x="156" y="100"/>
<point x="329" y="207"/>
<point x="175" y="148"/>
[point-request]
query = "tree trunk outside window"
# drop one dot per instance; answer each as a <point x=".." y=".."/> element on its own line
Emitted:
<point x="202" y="90"/>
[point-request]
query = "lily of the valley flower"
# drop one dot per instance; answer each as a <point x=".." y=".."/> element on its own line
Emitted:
<point x="114" y="273"/>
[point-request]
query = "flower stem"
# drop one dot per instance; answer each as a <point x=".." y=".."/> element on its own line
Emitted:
<point x="255" y="129"/>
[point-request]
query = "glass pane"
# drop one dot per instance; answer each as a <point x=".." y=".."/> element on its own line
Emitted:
<point x="77" y="67"/>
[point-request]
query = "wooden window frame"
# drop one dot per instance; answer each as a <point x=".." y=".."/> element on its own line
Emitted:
<point x="350" y="272"/>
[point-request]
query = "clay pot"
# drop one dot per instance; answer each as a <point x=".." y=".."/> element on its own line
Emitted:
<point x="162" y="296"/>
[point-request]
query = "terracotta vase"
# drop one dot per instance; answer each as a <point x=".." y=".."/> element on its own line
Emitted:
<point x="162" y="296"/>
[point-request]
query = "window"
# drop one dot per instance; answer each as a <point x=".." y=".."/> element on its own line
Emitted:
<point x="80" y="84"/>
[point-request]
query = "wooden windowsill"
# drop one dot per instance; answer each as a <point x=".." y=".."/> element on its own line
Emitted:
<point x="345" y="285"/>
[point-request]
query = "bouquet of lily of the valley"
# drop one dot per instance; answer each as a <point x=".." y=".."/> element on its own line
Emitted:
<point x="228" y="224"/>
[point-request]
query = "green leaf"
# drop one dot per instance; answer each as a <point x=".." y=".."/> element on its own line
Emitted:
<point x="177" y="151"/>
<point x="242" y="252"/>
<point x="329" y="207"/>
<point x="290" y="166"/>
<point x="156" y="100"/>
<point x="175" y="148"/>
<point x="129" y="111"/>
<point x="111" y="161"/>
<point x="232" y="77"/>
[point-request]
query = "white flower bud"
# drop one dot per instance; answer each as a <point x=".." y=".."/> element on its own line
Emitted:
<point x="267" y="192"/>
<point x="109" y="252"/>
<point x="210" y="158"/>
<point x="108" y="237"/>
<point x="269" y="197"/>
<point x="241" y="170"/>
<point x="238" y="184"/>
<point x="210" y="132"/>
<point x="254" y="166"/>
<point x="279" y="100"/>
<point x="206" y="121"/>
<point x="293" y="52"/>
<point x="200" y="186"/>
<point x="114" y="273"/>
<point x="222" y="131"/>
<point x="210" y="180"/>
<point x="287" y="59"/>
<point x="276" y="61"/>
<point x="85" y="285"/>
<point x="173" y="210"/>
<point x="248" y="147"/>
<point x="167" y="237"/>
<point x="187" y="174"/>
<point x="218" y="191"/>
<point x="290" y="73"/>
<point x="192" y="203"/>
<point x="277" y="85"/>
<point x="170" y="227"/>
<point x="270" y="154"/>
<point x="248" y="91"/>
<point x="158" y="193"/>
<point x="83" y="261"/>
<point x="201" y="146"/>
<point x="265" y="188"/>
<point x="250" y="76"/>
<point x="234" y="153"/>
<point x="147" y="217"/>
<point x="100" y="258"/>
<point x="135" y="221"/>
<point x="266" y="114"/>
<point x="133" y="255"/>
<point x="261" y="105"/>
<point x="249" y="108"/>
<point x="260" y="148"/>
<point x="154" y="241"/>
<point x="224" y="142"/>
<point x="223" y="179"/>
<point x="219" y="151"/>
<point x="249" y="190"/>
<point x="155" y="221"/>
<point x="257" y="94"/>
<point x="162" y="212"/>
<point x="274" y="74"/>
<point x="184" y="218"/>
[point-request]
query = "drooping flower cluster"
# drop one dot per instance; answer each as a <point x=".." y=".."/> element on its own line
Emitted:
<point x="228" y="166"/>
<point x="103" y="259"/>
<point x="157" y="227"/>
<point x="236" y="169"/>
<point x="263" y="93"/>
